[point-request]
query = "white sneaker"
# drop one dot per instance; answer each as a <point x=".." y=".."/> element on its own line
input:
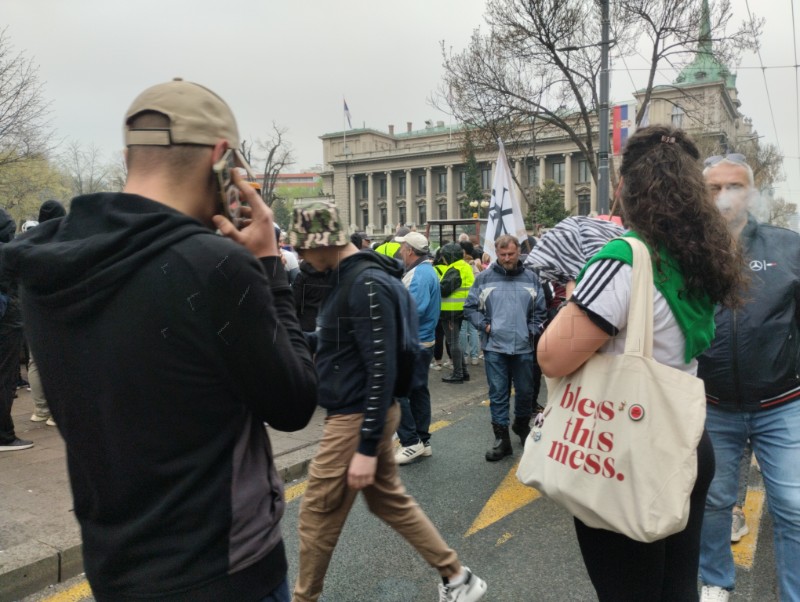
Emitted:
<point x="474" y="361"/>
<point x="473" y="588"/>
<point x="739" y="526"/>
<point x="427" y="452"/>
<point x="50" y="422"/>
<point x="436" y="365"/>
<point x="37" y="418"/>
<point x="404" y="455"/>
<point x="714" y="593"/>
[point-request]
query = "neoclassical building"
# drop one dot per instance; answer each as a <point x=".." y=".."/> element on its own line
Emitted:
<point x="382" y="179"/>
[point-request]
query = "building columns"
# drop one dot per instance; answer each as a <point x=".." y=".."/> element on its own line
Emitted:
<point x="353" y="203"/>
<point x="389" y="204"/>
<point x="428" y="193"/>
<point x="370" y="225"/>
<point x="518" y="185"/>
<point x="452" y="209"/>
<point x="410" y="213"/>
<point x="569" y="188"/>
<point x="541" y="171"/>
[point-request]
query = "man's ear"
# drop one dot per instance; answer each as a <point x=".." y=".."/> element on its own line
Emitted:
<point x="219" y="149"/>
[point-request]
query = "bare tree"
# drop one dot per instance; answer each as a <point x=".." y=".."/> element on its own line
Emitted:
<point x="779" y="212"/>
<point x="24" y="130"/>
<point x="275" y="154"/>
<point x="538" y="66"/>
<point x="86" y="169"/>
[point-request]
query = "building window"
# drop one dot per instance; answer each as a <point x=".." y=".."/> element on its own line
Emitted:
<point x="402" y="212"/>
<point x="558" y="173"/>
<point x="423" y="218"/>
<point x="533" y="174"/>
<point x="442" y="184"/>
<point x="364" y="189"/>
<point x="364" y="218"/>
<point x="462" y="181"/>
<point x="677" y="116"/>
<point x="422" y="184"/>
<point x="382" y="185"/>
<point x="401" y="185"/>
<point x="443" y="211"/>
<point x="584" y="204"/>
<point x="584" y="174"/>
<point x="383" y="217"/>
<point x="486" y="178"/>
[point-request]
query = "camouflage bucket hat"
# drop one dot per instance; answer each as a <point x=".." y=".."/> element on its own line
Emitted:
<point x="315" y="226"/>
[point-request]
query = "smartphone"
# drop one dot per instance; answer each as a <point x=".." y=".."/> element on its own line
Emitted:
<point x="228" y="191"/>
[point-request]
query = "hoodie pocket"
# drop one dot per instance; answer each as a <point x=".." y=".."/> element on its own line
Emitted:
<point x="326" y="487"/>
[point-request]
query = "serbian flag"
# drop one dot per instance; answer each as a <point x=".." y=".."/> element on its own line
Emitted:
<point x="624" y="124"/>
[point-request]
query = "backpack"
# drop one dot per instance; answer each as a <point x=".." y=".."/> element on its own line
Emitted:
<point x="407" y="327"/>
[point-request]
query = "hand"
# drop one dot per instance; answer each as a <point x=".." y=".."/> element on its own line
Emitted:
<point x="362" y="471"/>
<point x="258" y="234"/>
<point x="488" y="328"/>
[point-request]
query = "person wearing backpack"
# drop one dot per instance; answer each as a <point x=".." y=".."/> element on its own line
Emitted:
<point x="362" y="329"/>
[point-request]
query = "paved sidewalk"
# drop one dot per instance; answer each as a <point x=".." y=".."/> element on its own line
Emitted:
<point x="40" y="540"/>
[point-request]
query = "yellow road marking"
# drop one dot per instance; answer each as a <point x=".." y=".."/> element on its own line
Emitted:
<point x="77" y="592"/>
<point x="503" y="539"/>
<point x="509" y="497"/>
<point x="744" y="551"/>
<point x="438" y="425"/>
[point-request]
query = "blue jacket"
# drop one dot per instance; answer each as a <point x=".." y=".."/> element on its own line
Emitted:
<point x="423" y="285"/>
<point x="512" y="301"/>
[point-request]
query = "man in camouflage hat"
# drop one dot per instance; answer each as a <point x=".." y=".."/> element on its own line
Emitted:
<point x="357" y="342"/>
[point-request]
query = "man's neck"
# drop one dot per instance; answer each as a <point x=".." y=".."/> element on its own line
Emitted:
<point x="163" y="190"/>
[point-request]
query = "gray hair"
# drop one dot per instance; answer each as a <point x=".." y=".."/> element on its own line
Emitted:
<point x="747" y="168"/>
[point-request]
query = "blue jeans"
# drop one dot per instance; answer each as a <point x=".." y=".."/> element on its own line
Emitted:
<point x="280" y="593"/>
<point x="415" y="410"/>
<point x="469" y="339"/>
<point x="775" y="437"/>
<point x="501" y="370"/>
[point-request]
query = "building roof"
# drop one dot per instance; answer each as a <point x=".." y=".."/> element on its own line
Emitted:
<point x="705" y="67"/>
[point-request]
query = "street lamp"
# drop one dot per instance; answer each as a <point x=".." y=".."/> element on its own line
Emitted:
<point x="478" y="207"/>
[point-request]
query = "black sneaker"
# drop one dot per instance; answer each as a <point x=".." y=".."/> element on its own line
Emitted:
<point x="465" y="378"/>
<point x="22" y="383"/>
<point x="15" y="445"/>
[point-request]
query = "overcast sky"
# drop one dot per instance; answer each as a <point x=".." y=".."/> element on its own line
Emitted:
<point x="292" y="62"/>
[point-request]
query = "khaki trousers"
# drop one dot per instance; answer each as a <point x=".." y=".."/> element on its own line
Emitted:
<point x="328" y="500"/>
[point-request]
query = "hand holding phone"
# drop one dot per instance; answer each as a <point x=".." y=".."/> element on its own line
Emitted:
<point x="229" y="193"/>
<point x="258" y="233"/>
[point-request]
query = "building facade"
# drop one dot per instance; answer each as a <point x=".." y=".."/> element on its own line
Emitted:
<point x="380" y="180"/>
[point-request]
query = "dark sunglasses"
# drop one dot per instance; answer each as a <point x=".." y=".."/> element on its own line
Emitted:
<point x="737" y="158"/>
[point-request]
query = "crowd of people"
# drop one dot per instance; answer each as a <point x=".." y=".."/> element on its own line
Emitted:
<point x="163" y="337"/>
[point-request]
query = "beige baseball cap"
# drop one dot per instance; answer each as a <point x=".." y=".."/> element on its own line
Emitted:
<point x="415" y="240"/>
<point x="196" y="114"/>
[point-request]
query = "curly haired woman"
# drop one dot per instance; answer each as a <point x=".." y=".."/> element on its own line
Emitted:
<point x="664" y="203"/>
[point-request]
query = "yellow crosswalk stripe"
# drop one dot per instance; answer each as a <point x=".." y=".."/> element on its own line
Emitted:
<point x="77" y="592"/>
<point x="509" y="497"/>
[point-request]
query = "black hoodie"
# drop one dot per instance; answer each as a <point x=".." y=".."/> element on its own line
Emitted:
<point x="357" y="351"/>
<point x="163" y="348"/>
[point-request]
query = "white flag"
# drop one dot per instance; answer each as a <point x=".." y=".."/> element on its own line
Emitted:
<point x="505" y="215"/>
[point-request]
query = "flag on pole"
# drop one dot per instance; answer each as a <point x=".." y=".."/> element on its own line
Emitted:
<point x="505" y="215"/>
<point x="624" y="124"/>
<point x="347" y="115"/>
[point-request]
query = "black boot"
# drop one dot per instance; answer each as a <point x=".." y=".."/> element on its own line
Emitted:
<point x="502" y="444"/>
<point x="522" y="427"/>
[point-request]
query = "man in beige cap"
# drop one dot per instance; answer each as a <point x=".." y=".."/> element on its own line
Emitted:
<point x="358" y="340"/>
<point x="163" y="349"/>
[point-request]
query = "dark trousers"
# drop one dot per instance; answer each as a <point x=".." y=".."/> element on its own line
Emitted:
<point x="622" y="569"/>
<point x="439" y="344"/>
<point x="452" y="336"/>
<point x="10" y="346"/>
<point x="415" y="410"/>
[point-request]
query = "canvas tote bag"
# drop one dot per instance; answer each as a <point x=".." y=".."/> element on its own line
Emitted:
<point x="618" y="446"/>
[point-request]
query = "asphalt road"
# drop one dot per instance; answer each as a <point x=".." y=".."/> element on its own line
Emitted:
<point x="523" y="545"/>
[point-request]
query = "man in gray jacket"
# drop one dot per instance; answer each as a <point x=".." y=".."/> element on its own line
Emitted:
<point x="506" y="305"/>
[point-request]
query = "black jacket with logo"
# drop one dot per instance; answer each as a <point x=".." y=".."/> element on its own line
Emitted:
<point x="163" y="348"/>
<point x="754" y="361"/>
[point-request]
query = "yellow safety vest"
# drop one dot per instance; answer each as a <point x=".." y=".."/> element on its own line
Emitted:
<point x="388" y="248"/>
<point x="455" y="302"/>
